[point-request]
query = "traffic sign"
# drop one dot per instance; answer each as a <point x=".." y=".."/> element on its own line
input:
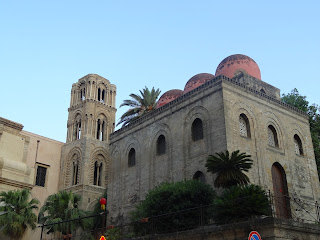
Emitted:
<point x="254" y="236"/>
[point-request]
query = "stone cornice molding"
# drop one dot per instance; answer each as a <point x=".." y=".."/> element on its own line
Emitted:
<point x="11" y="124"/>
<point x="14" y="183"/>
<point x="212" y="83"/>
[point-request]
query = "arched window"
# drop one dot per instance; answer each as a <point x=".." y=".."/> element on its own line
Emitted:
<point x="99" y="94"/>
<point x="78" y="130"/>
<point x="297" y="145"/>
<point x="161" y="145"/>
<point x="97" y="173"/>
<point x="262" y="91"/>
<point x="101" y="129"/>
<point x="197" y="130"/>
<point x="199" y="176"/>
<point x="272" y="136"/>
<point x="244" y="126"/>
<point x="102" y="96"/>
<point x="132" y="157"/>
<point x="75" y="172"/>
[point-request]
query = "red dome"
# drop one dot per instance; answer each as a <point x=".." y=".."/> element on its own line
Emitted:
<point x="197" y="80"/>
<point x="238" y="62"/>
<point x="169" y="96"/>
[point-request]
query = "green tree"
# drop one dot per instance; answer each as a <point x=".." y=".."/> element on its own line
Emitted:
<point x="165" y="205"/>
<point x="229" y="169"/>
<point x="139" y="105"/>
<point x="60" y="207"/>
<point x="17" y="212"/>
<point x="295" y="99"/>
<point x="239" y="203"/>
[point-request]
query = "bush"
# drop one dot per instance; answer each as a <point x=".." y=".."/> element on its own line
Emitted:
<point x="239" y="203"/>
<point x="173" y="198"/>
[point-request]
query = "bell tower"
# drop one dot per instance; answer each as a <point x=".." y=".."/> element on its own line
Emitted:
<point x="85" y="156"/>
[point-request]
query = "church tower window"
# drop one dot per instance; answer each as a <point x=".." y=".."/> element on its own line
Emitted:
<point x="197" y="130"/>
<point x="161" y="145"/>
<point x="298" y="145"/>
<point x="132" y="157"/>
<point x="97" y="173"/>
<point x="272" y="137"/>
<point x="244" y="126"/>
<point x="75" y="173"/>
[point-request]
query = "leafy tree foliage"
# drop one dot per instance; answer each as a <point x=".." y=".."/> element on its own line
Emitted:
<point x="295" y="99"/>
<point x="139" y="105"/>
<point x="60" y="207"/>
<point x="17" y="212"/>
<point x="173" y="198"/>
<point x="239" y="203"/>
<point x="229" y="168"/>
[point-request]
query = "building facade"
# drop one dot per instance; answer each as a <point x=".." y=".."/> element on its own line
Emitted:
<point x="234" y="110"/>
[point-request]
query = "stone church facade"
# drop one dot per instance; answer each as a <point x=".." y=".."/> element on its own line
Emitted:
<point x="233" y="110"/>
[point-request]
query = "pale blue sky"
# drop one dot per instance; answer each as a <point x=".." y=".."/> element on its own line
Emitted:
<point x="46" y="46"/>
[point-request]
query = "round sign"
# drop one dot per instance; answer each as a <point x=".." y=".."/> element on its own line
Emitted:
<point x="254" y="236"/>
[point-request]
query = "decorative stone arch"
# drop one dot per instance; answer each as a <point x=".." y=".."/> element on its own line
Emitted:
<point x="199" y="147"/>
<point x="160" y="129"/>
<point x="74" y="156"/>
<point x="197" y="112"/>
<point x="101" y="130"/>
<point x="132" y="143"/>
<point x="99" y="156"/>
<point x="274" y="121"/>
<point x="297" y="131"/>
<point x="243" y="109"/>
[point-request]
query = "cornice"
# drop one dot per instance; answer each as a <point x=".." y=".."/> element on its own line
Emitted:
<point x="14" y="183"/>
<point x="11" y="124"/>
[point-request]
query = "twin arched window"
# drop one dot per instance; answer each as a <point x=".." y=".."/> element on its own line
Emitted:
<point x="97" y="175"/>
<point x="132" y="157"/>
<point x="101" y="125"/>
<point x="161" y="145"/>
<point x="197" y="130"/>
<point x="101" y="95"/>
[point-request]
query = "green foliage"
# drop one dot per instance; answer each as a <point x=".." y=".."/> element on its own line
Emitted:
<point x="17" y="212"/>
<point x="113" y="234"/>
<point x="170" y="198"/>
<point x="300" y="102"/>
<point x="60" y="207"/>
<point x="139" y="105"/>
<point x="229" y="169"/>
<point x="239" y="203"/>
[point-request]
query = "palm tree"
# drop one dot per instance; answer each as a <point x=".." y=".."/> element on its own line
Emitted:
<point x="139" y="105"/>
<point x="60" y="207"/>
<point x="229" y="169"/>
<point x="17" y="212"/>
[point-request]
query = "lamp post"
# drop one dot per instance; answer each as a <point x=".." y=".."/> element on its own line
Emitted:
<point x="103" y="203"/>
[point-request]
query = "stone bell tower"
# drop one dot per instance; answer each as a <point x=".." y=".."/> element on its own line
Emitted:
<point x="85" y="156"/>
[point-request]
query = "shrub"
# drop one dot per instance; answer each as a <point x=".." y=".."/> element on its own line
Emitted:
<point x="165" y="205"/>
<point x="239" y="203"/>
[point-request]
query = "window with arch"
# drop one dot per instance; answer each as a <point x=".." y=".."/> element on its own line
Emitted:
<point x="101" y="125"/>
<point x="161" y="145"/>
<point x="262" y="91"/>
<point x="75" y="172"/>
<point x="197" y="129"/>
<point x="77" y="127"/>
<point x="297" y="145"/>
<point x="244" y="126"/>
<point x="199" y="176"/>
<point x="272" y="137"/>
<point x="97" y="176"/>
<point x="132" y="157"/>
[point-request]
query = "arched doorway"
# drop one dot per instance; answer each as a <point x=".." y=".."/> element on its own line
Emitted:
<point x="281" y="197"/>
<point x="199" y="176"/>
